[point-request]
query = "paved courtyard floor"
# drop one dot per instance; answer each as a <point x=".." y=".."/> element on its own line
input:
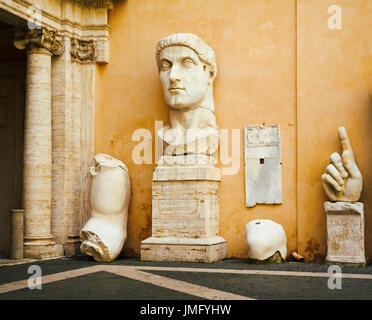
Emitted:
<point x="81" y="278"/>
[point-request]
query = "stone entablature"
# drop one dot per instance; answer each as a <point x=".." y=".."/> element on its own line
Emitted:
<point x="84" y="20"/>
<point x="96" y="3"/>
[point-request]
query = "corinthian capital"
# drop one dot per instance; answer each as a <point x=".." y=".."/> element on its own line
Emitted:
<point x="36" y="39"/>
<point x="83" y="50"/>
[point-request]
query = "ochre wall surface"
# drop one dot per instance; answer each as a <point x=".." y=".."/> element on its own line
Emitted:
<point x="278" y="63"/>
<point x="334" y="89"/>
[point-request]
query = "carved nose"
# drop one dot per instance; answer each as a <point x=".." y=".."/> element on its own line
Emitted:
<point x="174" y="74"/>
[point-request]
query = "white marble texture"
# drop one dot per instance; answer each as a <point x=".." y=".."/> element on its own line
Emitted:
<point x="187" y="67"/>
<point x="342" y="180"/>
<point x="105" y="233"/>
<point x="264" y="238"/>
<point x="263" y="169"/>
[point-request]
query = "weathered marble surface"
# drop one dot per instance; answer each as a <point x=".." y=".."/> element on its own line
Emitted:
<point x="342" y="180"/>
<point x="187" y="67"/>
<point x="185" y="212"/>
<point x="103" y="236"/>
<point x="345" y="232"/>
<point x="263" y="170"/>
<point x="188" y="167"/>
<point x="264" y="238"/>
<point x="183" y="249"/>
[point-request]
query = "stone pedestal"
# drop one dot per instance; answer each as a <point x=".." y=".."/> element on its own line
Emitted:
<point x="16" y="234"/>
<point x="185" y="212"/>
<point x="345" y="233"/>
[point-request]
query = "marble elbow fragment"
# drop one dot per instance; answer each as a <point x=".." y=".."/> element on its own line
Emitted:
<point x="105" y="233"/>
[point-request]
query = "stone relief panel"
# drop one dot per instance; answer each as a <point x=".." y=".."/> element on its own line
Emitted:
<point x="345" y="232"/>
<point x="83" y="51"/>
<point x="263" y="172"/>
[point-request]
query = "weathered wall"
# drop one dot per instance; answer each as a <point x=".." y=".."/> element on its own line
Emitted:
<point x="254" y="43"/>
<point x="278" y="64"/>
<point x="334" y="89"/>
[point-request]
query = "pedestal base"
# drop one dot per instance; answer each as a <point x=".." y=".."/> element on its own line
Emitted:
<point x="183" y="249"/>
<point x="43" y="251"/>
<point x="72" y="249"/>
<point x="185" y="211"/>
<point x="346" y="261"/>
<point x="345" y="233"/>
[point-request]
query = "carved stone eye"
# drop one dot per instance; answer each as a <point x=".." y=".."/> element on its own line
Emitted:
<point x="188" y="63"/>
<point x="165" y="65"/>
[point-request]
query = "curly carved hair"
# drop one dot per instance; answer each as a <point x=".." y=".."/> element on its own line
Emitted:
<point x="205" y="53"/>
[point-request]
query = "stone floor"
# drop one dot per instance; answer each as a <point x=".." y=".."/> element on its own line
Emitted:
<point x="4" y="261"/>
<point x="81" y="278"/>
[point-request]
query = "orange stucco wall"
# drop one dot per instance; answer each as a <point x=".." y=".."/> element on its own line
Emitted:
<point x="278" y="64"/>
<point x="334" y="89"/>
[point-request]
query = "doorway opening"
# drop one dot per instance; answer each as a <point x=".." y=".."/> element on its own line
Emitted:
<point x="12" y="109"/>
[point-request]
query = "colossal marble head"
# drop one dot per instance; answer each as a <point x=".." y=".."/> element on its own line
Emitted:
<point x="187" y="67"/>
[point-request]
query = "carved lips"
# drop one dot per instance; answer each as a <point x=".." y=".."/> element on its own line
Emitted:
<point x="177" y="90"/>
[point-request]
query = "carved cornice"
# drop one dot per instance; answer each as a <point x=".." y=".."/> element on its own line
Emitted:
<point x="84" y="51"/>
<point x="36" y="39"/>
<point x="97" y="3"/>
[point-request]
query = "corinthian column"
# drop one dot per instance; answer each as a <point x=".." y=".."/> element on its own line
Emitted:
<point x="41" y="45"/>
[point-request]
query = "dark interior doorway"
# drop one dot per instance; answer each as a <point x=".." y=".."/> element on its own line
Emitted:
<point x="12" y="109"/>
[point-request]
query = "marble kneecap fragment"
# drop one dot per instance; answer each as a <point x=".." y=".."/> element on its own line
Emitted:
<point x="264" y="238"/>
<point x="105" y="233"/>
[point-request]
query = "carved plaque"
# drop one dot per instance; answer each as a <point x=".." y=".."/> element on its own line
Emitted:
<point x="345" y="232"/>
<point x="263" y="173"/>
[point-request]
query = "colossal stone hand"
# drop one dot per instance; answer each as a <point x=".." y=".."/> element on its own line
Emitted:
<point x="343" y="180"/>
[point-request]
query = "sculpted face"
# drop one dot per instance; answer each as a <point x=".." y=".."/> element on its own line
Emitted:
<point x="184" y="77"/>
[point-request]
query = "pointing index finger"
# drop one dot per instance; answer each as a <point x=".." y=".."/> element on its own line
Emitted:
<point x="344" y="139"/>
